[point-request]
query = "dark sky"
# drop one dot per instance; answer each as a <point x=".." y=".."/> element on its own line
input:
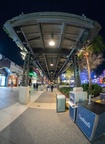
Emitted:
<point x="93" y="9"/>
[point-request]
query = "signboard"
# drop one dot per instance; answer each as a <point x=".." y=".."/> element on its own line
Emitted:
<point x="85" y="120"/>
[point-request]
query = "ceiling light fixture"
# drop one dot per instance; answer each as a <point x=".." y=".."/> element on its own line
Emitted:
<point x="52" y="42"/>
<point x="51" y="64"/>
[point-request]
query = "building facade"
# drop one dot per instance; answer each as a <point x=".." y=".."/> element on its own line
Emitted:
<point x="9" y="71"/>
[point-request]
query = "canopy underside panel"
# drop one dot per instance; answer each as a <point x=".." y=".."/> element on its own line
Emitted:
<point x="33" y="32"/>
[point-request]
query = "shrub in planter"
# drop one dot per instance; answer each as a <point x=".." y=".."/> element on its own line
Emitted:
<point x="85" y="87"/>
<point x="96" y="89"/>
<point x="65" y="90"/>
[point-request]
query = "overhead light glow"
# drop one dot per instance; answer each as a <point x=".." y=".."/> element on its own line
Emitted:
<point x="51" y="64"/>
<point x="51" y="43"/>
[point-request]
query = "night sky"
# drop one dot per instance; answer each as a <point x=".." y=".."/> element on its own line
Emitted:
<point x="93" y="9"/>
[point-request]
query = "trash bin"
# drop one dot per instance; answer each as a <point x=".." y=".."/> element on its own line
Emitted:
<point x="60" y="103"/>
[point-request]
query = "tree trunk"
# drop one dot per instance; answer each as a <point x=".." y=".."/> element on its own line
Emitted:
<point x="89" y="75"/>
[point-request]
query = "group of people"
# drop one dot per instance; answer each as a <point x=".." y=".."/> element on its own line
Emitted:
<point x="35" y="86"/>
<point x="50" y="88"/>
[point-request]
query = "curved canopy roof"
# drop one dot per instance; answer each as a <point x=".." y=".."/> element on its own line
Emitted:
<point x="32" y="33"/>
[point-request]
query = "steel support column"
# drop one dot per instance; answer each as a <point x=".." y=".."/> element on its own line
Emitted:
<point x="76" y="71"/>
<point x="26" y="70"/>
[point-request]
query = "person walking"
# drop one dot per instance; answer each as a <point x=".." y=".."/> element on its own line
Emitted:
<point x="36" y="86"/>
<point x="52" y="88"/>
<point x="11" y="85"/>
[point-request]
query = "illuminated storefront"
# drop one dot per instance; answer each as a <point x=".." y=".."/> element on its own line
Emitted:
<point x="9" y="71"/>
<point x="14" y="78"/>
<point x="2" y="80"/>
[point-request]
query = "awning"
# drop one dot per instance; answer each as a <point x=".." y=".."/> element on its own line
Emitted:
<point x="2" y="71"/>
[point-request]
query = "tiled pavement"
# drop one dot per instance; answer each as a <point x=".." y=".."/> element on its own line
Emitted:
<point x="10" y="108"/>
<point x="11" y="112"/>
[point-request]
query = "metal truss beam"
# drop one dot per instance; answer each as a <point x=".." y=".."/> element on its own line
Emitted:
<point x="76" y="71"/>
<point x="26" y="70"/>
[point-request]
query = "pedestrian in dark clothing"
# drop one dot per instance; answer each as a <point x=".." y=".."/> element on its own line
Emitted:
<point x="12" y="85"/>
<point x="52" y="88"/>
<point x="36" y="86"/>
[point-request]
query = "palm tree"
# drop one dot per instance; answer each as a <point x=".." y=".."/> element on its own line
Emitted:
<point x="91" y="56"/>
<point x="69" y="73"/>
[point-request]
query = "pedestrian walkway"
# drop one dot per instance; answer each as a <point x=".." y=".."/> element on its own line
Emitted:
<point x="38" y="122"/>
<point x="10" y="108"/>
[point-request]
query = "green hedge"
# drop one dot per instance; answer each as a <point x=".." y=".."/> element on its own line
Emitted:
<point x="65" y="91"/>
<point x="96" y="89"/>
